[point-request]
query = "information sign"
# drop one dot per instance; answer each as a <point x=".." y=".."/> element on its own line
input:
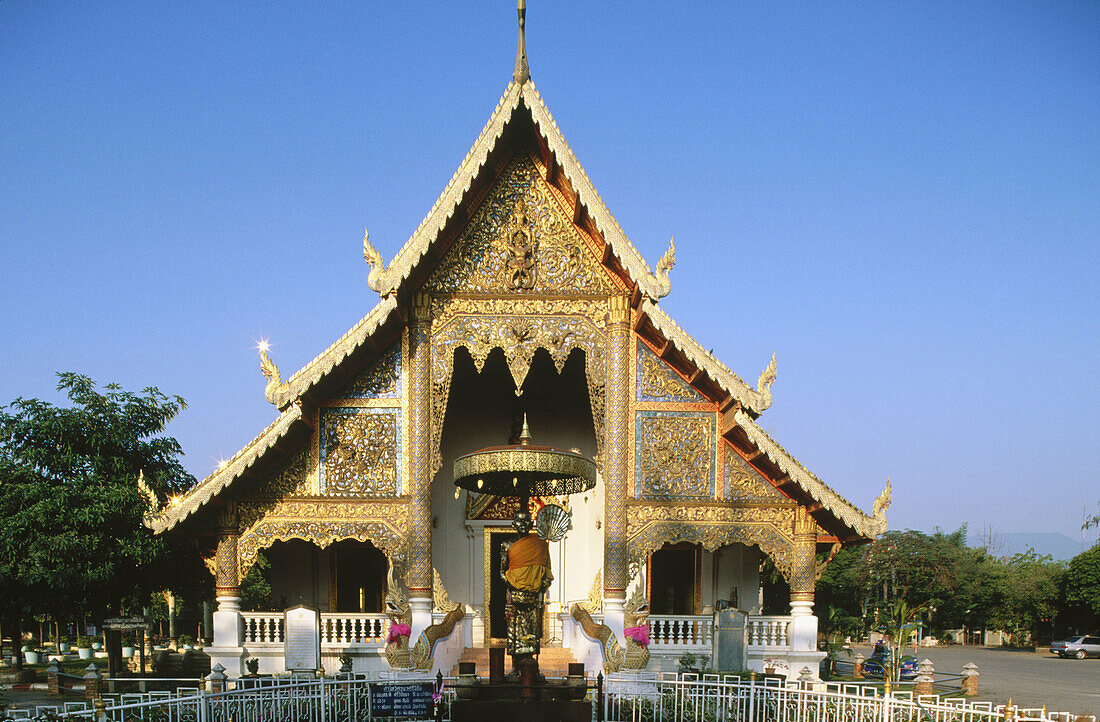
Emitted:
<point x="302" y="634"/>
<point x="392" y="699"/>
<point x="125" y="623"/>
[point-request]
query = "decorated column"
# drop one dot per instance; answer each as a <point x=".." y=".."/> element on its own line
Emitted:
<point x="616" y="430"/>
<point x="228" y="630"/>
<point x="803" y="631"/>
<point x="420" y="492"/>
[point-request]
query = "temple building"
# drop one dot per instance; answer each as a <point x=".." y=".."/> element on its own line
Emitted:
<point x="517" y="296"/>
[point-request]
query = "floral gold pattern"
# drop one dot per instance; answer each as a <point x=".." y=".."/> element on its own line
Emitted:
<point x="360" y="452"/>
<point x="651" y="525"/>
<point x="675" y="455"/>
<point x="518" y="228"/>
<point x="658" y="382"/>
<point x="746" y="484"/>
<point x="381" y="379"/>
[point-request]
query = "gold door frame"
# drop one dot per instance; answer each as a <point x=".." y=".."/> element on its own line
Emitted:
<point x="489" y="532"/>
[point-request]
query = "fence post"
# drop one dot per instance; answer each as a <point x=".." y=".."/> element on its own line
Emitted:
<point x="925" y="676"/>
<point x="52" y="677"/>
<point x="752" y="695"/>
<point x="599" y="697"/>
<point x="857" y="666"/>
<point x="215" y="681"/>
<point x="970" y="679"/>
<point x="91" y="682"/>
<point x="805" y="678"/>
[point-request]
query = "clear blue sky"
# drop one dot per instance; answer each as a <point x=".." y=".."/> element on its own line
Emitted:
<point x="900" y="199"/>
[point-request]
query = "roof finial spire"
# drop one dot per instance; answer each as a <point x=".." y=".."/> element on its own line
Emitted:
<point x="522" y="73"/>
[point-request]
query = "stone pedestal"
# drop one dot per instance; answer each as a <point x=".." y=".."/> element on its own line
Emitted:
<point x="802" y="637"/>
<point x="421" y="617"/>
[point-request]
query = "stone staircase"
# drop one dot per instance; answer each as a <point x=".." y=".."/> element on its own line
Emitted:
<point x="553" y="661"/>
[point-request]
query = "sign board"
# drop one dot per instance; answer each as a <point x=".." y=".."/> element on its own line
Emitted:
<point x="126" y="623"/>
<point x="302" y="634"/>
<point x="730" y="643"/>
<point x="390" y="699"/>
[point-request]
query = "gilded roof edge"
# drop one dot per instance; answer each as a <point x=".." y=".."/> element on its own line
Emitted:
<point x="327" y="360"/>
<point x="859" y="522"/>
<point x="756" y="400"/>
<point x="196" y="497"/>
<point x="404" y="263"/>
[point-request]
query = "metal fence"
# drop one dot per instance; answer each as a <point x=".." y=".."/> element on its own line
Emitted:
<point x="638" y="698"/>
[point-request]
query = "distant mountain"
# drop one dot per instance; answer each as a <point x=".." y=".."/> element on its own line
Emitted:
<point x="1059" y="546"/>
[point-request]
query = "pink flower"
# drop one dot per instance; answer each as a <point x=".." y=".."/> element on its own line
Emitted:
<point x="638" y="634"/>
<point x="397" y="631"/>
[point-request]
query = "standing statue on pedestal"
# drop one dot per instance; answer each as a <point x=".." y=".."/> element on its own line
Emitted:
<point x="525" y="567"/>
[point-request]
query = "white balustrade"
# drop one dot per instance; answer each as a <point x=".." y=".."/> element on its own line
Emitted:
<point x="337" y="629"/>
<point x="768" y="631"/>
<point x="684" y="632"/>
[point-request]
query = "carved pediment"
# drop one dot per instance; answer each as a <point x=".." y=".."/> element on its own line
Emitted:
<point x="746" y="484"/>
<point x="520" y="241"/>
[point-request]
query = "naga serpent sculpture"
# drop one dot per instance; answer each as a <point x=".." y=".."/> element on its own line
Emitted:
<point x="399" y="611"/>
<point x="615" y="656"/>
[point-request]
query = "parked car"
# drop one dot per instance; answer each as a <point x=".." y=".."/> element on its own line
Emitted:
<point x="1079" y="647"/>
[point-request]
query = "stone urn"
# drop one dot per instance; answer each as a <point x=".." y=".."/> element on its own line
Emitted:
<point x="467" y="683"/>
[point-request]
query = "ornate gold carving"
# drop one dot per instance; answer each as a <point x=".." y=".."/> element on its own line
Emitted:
<point x="615" y="656"/>
<point x="746" y="484"/>
<point x="421" y="447"/>
<point x="594" y="603"/>
<point x="522" y="247"/>
<point x="399" y="611"/>
<point x="841" y="508"/>
<point x="617" y="431"/>
<point x="658" y="382"/>
<point x="322" y="522"/>
<point x="359" y="452"/>
<point x="519" y="336"/>
<point x="275" y="386"/>
<point x="651" y="525"/>
<point x="227" y="571"/>
<point x="675" y="455"/>
<point x="440" y="600"/>
<point x="664" y="265"/>
<point x="291" y="480"/>
<point x="493" y="254"/>
<point x="882" y="503"/>
<point x="380" y="278"/>
<point x="381" y="379"/>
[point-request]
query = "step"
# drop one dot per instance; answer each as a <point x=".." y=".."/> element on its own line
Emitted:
<point x="553" y="661"/>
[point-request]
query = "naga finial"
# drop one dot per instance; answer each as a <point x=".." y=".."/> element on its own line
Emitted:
<point x="882" y="503"/>
<point x="522" y="72"/>
<point x="275" y="385"/>
<point x="664" y="265"/>
<point x="150" y="495"/>
<point x="763" y="385"/>
<point x="377" y="277"/>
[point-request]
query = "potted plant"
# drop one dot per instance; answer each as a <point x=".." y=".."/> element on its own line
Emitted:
<point x="84" y="647"/>
<point x="63" y="646"/>
<point x="185" y="641"/>
<point x="31" y="655"/>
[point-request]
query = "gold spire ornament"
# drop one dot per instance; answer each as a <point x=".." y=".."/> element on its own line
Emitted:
<point x="275" y="384"/>
<point x="522" y="73"/>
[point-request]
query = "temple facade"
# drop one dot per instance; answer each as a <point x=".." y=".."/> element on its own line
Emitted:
<point x="518" y="295"/>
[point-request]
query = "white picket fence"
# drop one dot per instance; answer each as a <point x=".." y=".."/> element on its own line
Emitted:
<point x="622" y="697"/>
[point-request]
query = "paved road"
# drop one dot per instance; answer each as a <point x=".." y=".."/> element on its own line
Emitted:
<point x="1030" y="679"/>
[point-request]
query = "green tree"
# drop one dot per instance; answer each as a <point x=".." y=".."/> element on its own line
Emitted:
<point x="1031" y="594"/>
<point x="1082" y="590"/>
<point x="72" y="541"/>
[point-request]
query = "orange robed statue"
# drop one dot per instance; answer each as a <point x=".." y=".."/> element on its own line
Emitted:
<point x="526" y="569"/>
